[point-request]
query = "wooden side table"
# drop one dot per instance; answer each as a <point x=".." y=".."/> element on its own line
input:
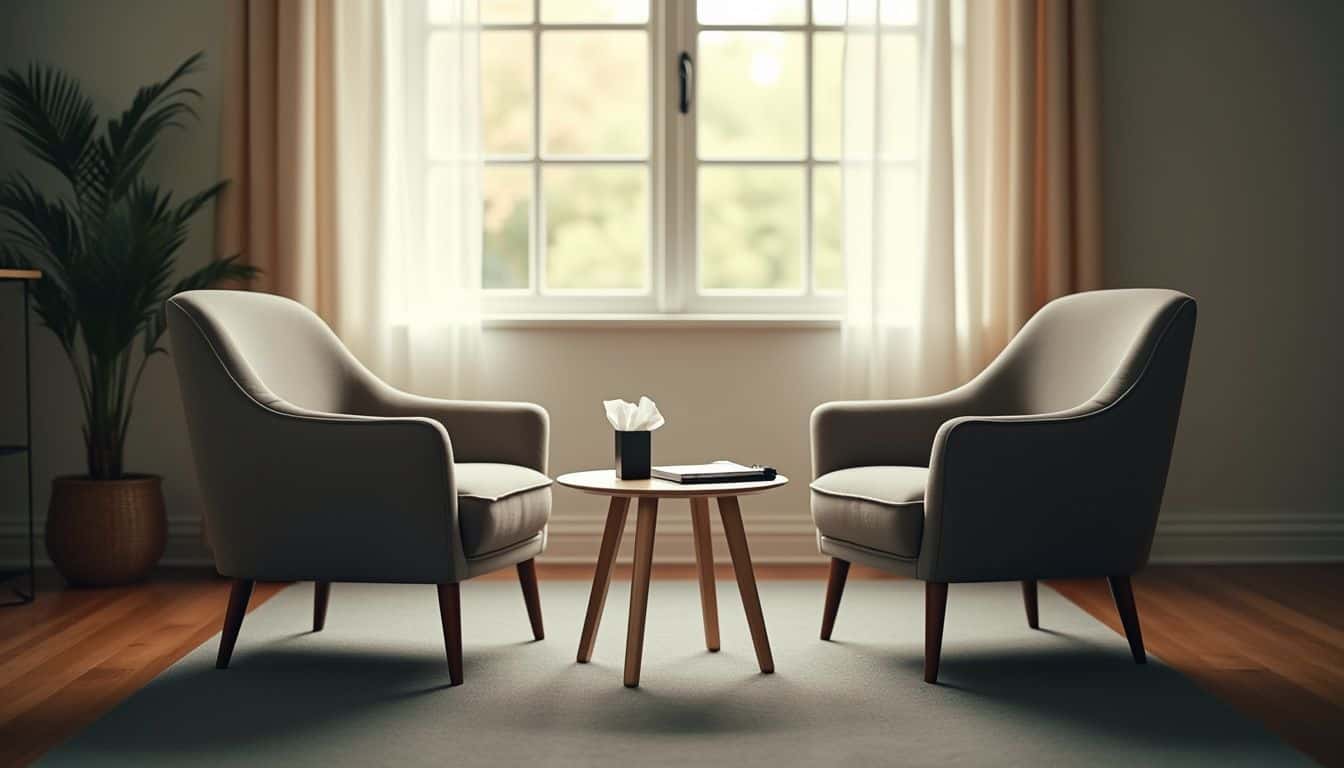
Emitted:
<point x="604" y="482"/>
<point x="26" y="277"/>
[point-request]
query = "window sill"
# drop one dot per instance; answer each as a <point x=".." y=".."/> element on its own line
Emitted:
<point x="670" y="321"/>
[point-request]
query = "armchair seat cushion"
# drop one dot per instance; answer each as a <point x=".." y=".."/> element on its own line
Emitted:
<point x="880" y="508"/>
<point x="500" y="505"/>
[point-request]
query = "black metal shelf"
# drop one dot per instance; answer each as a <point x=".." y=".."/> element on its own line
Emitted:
<point x="25" y="278"/>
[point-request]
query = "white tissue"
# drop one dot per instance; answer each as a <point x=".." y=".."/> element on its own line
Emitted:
<point x="628" y="417"/>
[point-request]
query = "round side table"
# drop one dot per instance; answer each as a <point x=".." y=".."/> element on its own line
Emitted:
<point x="604" y="482"/>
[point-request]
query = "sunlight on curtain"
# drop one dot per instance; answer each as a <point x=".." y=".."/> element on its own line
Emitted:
<point x="430" y="256"/>
<point x="969" y="181"/>
<point x="351" y="134"/>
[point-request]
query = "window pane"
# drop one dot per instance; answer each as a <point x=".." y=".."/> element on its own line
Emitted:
<point x="828" y="11"/>
<point x="828" y="49"/>
<point x="595" y="93"/>
<point x="751" y="227"/>
<point x="506" y="92"/>
<point x="502" y="11"/>
<point x="508" y="213"/>
<point x="594" y="11"/>
<point x="751" y="95"/>
<point x="828" y="263"/>
<point x="751" y="11"/>
<point x="597" y="226"/>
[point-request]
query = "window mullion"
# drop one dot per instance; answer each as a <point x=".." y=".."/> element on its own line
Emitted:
<point x="538" y="221"/>
<point x="808" y="168"/>
<point x="678" y="33"/>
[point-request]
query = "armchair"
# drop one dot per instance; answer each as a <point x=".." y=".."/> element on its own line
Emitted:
<point x="1049" y="464"/>
<point x="313" y="469"/>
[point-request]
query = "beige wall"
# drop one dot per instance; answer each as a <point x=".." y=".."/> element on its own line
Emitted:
<point x="1223" y="170"/>
<point x="1222" y="164"/>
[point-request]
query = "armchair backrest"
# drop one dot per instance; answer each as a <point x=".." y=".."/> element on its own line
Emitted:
<point x="1084" y="349"/>
<point x="277" y="350"/>
<point x="292" y="485"/>
<point x="1071" y="485"/>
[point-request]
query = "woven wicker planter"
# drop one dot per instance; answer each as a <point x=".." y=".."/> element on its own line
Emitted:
<point x="106" y="532"/>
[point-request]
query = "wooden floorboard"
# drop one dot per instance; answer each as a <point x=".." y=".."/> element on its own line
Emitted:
<point x="72" y="655"/>
<point x="1267" y="639"/>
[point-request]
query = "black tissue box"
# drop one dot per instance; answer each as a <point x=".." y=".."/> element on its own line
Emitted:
<point x="633" y="454"/>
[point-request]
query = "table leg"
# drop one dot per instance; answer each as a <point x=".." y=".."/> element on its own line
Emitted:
<point x="746" y="579"/>
<point x="704" y="565"/>
<point x="606" y="561"/>
<point x="639" y="589"/>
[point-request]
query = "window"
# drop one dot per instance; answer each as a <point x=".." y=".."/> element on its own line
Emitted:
<point x="601" y="195"/>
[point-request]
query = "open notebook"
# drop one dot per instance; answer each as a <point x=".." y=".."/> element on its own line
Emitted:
<point x="713" y="472"/>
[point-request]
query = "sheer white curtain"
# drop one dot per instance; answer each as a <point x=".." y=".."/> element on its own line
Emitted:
<point x="970" y="181"/>
<point x="335" y="113"/>
<point x="432" y="256"/>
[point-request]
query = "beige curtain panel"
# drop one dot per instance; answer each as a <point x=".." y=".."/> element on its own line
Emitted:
<point x="285" y="123"/>
<point x="321" y="138"/>
<point x="964" y="219"/>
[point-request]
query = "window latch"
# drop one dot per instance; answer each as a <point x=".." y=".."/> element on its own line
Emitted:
<point x="686" y="75"/>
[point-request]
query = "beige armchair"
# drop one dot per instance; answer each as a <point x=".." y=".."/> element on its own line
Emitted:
<point x="313" y="469"/>
<point x="1051" y="463"/>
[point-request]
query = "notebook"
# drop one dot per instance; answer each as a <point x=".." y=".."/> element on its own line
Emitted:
<point x="713" y="472"/>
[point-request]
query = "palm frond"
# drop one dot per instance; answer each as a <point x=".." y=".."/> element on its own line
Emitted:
<point x="121" y="153"/>
<point x="47" y="109"/>
<point x="108" y="254"/>
<point x="47" y="231"/>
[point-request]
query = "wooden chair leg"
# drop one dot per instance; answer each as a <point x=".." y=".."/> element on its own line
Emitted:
<point x="233" y="620"/>
<point x="321" y="591"/>
<point x="527" y="578"/>
<point x="450" y="614"/>
<point x="935" y="610"/>
<point x="1123" y="593"/>
<point x="1029" y="600"/>
<point x="835" y="588"/>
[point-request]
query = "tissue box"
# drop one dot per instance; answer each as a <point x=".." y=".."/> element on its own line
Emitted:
<point x="633" y="454"/>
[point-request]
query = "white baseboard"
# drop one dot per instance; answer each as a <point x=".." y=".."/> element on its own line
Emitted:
<point x="1195" y="536"/>
<point x="1248" y="536"/>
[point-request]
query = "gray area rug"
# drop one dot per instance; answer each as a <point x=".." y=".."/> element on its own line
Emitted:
<point x="372" y="689"/>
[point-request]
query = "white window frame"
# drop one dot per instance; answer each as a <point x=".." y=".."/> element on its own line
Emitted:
<point x="673" y="228"/>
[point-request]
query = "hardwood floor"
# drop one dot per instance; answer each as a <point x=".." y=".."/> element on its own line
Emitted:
<point x="1267" y="639"/>
<point x="70" y="656"/>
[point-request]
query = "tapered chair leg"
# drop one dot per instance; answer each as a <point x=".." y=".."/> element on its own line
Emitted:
<point x="233" y="620"/>
<point x="527" y="578"/>
<point x="1029" y="601"/>
<point x="835" y="588"/>
<point x="321" y="591"/>
<point x="1123" y="593"/>
<point x="935" y="610"/>
<point x="450" y="613"/>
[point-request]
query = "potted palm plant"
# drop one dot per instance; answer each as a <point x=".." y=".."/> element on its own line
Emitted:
<point x="107" y="247"/>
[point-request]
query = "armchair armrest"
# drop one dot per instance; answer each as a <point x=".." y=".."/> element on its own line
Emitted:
<point x="480" y="431"/>
<point x="301" y="495"/>
<point x="859" y="433"/>
<point x="1074" y="493"/>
